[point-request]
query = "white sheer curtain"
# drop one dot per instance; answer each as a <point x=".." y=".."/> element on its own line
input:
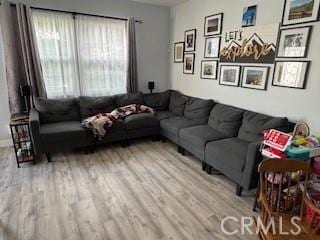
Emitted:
<point x="81" y="55"/>
<point x="56" y="41"/>
<point x="102" y="45"/>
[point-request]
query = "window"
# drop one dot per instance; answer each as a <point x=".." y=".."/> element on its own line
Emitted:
<point x="81" y="55"/>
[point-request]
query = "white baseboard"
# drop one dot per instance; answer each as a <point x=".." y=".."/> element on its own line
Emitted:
<point x="5" y="143"/>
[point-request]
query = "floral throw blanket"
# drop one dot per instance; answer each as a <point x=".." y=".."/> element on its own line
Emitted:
<point x="100" y="123"/>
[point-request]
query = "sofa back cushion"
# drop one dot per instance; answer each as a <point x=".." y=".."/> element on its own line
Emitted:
<point x="177" y="103"/>
<point x="198" y="109"/>
<point x="90" y="106"/>
<point x="57" y="110"/>
<point x="158" y="101"/>
<point x="226" y="119"/>
<point x="121" y="100"/>
<point x="254" y="124"/>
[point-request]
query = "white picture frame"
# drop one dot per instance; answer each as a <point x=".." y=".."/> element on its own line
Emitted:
<point x="178" y="52"/>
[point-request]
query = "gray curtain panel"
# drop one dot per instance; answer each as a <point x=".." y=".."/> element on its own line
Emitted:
<point x="132" y="75"/>
<point x="21" y="54"/>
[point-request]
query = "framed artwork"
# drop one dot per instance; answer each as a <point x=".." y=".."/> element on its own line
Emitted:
<point x="255" y="77"/>
<point x="291" y="74"/>
<point x="300" y="11"/>
<point x="230" y="75"/>
<point x="249" y="16"/>
<point x="213" y="25"/>
<point x="212" y="47"/>
<point x="294" y="42"/>
<point x="209" y="69"/>
<point x="190" y="40"/>
<point x="178" y="52"/>
<point x="188" y="63"/>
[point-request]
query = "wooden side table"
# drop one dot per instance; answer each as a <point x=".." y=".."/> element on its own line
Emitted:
<point x="21" y="138"/>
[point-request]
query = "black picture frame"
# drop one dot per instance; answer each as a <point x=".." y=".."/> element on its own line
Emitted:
<point x="194" y="31"/>
<point x="306" y="75"/>
<point x="193" y="63"/>
<point x="265" y="87"/>
<point x="307" y="42"/>
<point x="303" y="22"/>
<point x="239" y="75"/>
<point x="216" y="72"/>
<point x="205" y="25"/>
<point x="174" y="54"/>
<point x="205" y="47"/>
<point x="256" y="11"/>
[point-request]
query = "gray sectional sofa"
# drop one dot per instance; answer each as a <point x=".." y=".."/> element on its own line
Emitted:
<point x="223" y="137"/>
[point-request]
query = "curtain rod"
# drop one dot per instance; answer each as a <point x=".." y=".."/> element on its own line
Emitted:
<point x="74" y="13"/>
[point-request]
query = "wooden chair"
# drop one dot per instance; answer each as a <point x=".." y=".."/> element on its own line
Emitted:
<point x="283" y="195"/>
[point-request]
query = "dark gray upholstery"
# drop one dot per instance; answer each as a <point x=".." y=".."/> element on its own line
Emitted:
<point x="57" y="110"/>
<point x="160" y="115"/>
<point x="121" y="100"/>
<point x="254" y="124"/>
<point x="158" y="101"/>
<point x="141" y="120"/>
<point x="194" y="139"/>
<point x="34" y="122"/>
<point x="198" y="109"/>
<point x="177" y="103"/>
<point x="90" y="106"/>
<point x="226" y="119"/>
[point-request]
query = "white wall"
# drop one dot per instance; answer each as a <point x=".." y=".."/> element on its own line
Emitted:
<point x="298" y="105"/>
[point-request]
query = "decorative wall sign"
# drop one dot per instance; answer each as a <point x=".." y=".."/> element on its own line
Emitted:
<point x="178" y="52"/>
<point x="190" y="40"/>
<point x="292" y="74"/>
<point x="250" y="45"/>
<point x="294" y="42"/>
<point x="249" y="16"/>
<point x="209" y="69"/>
<point x="300" y="11"/>
<point x="230" y="75"/>
<point x="188" y="64"/>
<point x="212" y="47"/>
<point x="213" y="24"/>
<point x="255" y="77"/>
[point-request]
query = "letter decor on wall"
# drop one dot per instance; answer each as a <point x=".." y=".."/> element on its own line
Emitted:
<point x="250" y="45"/>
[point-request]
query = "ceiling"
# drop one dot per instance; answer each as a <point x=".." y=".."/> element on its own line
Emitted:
<point x="168" y="3"/>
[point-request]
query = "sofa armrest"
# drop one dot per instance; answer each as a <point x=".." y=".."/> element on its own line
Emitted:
<point x="250" y="175"/>
<point x="34" y="123"/>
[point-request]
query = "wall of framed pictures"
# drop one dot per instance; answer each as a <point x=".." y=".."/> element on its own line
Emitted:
<point x="283" y="80"/>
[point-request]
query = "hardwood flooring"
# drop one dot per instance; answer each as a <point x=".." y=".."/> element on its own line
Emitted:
<point x="144" y="191"/>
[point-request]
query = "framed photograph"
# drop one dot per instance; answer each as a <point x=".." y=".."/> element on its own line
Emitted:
<point x="190" y="40"/>
<point x="294" y="42"/>
<point x="300" y="11"/>
<point x="249" y="16"/>
<point x="209" y="69"/>
<point x="230" y="75"/>
<point x="188" y="63"/>
<point x="178" y="52"/>
<point x="213" y="24"/>
<point x="212" y="47"/>
<point x="291" y="74"/>
<point x="255" y="77"/>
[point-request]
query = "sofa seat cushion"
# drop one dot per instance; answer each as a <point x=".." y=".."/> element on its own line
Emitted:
<point x="141" y="120"/>
<point x="90" y="106"/>
<point x="158" y="101"/>
<point x="63" y="132"/>
<point x="198" y="109"/>
<point x="173" y="125"/>
<point x="194" y="139"/>
<point x="228" y="156"/>
<point x="161" y="115"/>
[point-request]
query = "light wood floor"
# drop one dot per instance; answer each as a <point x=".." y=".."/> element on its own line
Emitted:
<point x="145" y="191"/>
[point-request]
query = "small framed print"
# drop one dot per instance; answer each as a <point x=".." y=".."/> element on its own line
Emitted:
<point x="190" y="40"/>
<point x="291" y="74"/>
<point x="209" y="69"/>
<point x="249" y="16"/>
<point x="300" y="11"/>
<point x="213" y="24"/>
<point x="178" y="52"/>
<point x="230" y="75"/>
<point x="212" y="47"/>
<point x="255" y="77"/>
<point x="294" y="42"/>
<point x="188" y="63"/>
